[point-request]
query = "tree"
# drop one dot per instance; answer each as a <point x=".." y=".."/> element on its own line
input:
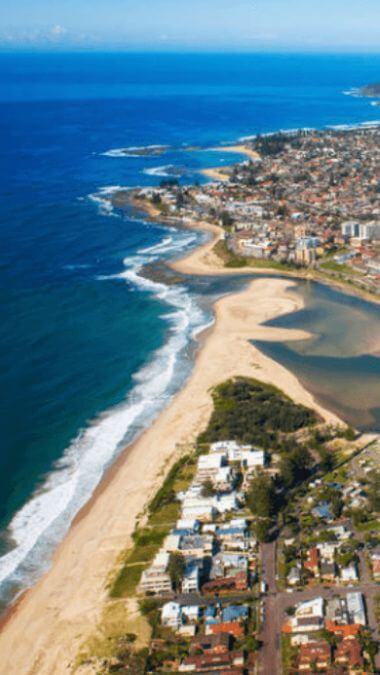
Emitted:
<point x="336" y="505"/>
<point x="176" y="569"/>
<point x="294" y="466"/>
<point x="208" y="489"/>
<point x="261" y="529"/>
<point x="374" y="491"/>
<point x="226" y="219"/>
<point x="261" y="497"/>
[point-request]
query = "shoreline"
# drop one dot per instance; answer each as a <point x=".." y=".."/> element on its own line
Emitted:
<point x="63" y="608"/>
<point x="203" y="260"/>
<point x="219" y="173"/>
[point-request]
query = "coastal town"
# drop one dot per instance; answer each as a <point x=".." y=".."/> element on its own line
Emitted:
<point x="269" y="561"/>
<point x="302" y="202"/>
<point x="272" y="561"/>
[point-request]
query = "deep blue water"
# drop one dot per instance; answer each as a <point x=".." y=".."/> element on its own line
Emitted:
<point x="81" y="333"/>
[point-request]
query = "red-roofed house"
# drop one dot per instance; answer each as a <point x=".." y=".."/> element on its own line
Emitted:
<point x="231" y="627"/>
<point x="345" y="631"/>
<point x="349" y="653"/>
<point x="314" y="656"/>
<point x="312" y="561"/>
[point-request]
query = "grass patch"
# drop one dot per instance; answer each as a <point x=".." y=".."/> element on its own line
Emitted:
<point x="233" y="260"/>
<point x="127" y="581"/>
<point x="163" y="511"/>
<point x="288" y="654"/>
<point x="333" y="266"/>
<point x="369" y="525"/>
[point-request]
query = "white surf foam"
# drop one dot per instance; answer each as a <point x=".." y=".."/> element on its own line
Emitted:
<point x="372" y="124"/>
<point x="44" y="520"/>
<point x="103" y="199"/>
<point x="166" y="171"/>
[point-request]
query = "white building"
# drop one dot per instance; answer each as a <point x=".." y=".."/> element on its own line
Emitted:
<point x="356" y="608"/>
<point x="209" y="466"/>
<point x="252" y="459"/>
<point x="312" y="607"/>
<point x="171" y="615"/>
<point x="190" y="581"/>
<point x="349" y="574"/>
<point x="156" y="578"/>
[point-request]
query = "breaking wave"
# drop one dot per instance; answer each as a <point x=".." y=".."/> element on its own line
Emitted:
<point x="43" y="521"/>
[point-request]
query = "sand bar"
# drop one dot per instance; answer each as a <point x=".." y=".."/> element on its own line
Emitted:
<point x="44" y="633"/>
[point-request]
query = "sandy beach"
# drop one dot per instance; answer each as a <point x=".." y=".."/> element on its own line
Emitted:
<point x="53" y="619"/>
<point x="220" y="173"/>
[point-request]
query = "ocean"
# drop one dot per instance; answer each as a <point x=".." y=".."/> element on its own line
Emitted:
<point x="91" y="350"/>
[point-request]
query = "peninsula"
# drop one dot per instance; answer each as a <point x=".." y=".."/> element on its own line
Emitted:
<point x="304" y="204"/>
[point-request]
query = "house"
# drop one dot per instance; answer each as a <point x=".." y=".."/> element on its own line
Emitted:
<point x="327" y="550"/>
<point x="235" y="613"/>
<point x="219" y="643"/>
<point x="196" y="546"/>
<point x="171" y="615"/>
<point x="234" y="628"/>
<point x="315" y="655"/>
<point x="156" y="579"/>
<point x="343" y="631"/>
<point x="190" y="526"/>
<point x="253" y="459"/>
<point x="239" y="582"/>
<point x="226" y="564"/>
<point x="328" y="570"/>
<point x="312" y="561"/>
<point x="312" y="607"/>
<point x="323" y="512"/>
<point x="209" y="465"/>
<point x="294" y="576"/>
<point x="191" y="613"/>
<point x="356" y="608"/>
<point x="222" y="663"/>
<point x="349" y="654"/>
<point x="308" y="617"/>
<point x="190" y="581"/>
<point x="341" y="532"/>
<point x="375" y="562"/>
<point x="349" y="574"/>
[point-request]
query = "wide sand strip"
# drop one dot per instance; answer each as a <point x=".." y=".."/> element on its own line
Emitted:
<point x="53" y="619"/>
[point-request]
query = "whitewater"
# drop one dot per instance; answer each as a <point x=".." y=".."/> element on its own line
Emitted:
<point x="42" y="522"/>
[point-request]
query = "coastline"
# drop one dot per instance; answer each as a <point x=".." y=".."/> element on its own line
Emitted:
<point x="63" y="608"/>
<point x="203" y="260"/>
<point x="219" y="173"/>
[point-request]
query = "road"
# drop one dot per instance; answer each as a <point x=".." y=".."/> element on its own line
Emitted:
<point x="270" y="655"/>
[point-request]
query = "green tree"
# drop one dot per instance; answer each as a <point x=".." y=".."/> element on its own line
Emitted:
<point x="208" y="489"/>
<point x="294" y="466"/>
<point x="261" y="529"/>
<point x="261" y="497"/>
<point x="176" y="569"/>
<point x="374" y="491"/>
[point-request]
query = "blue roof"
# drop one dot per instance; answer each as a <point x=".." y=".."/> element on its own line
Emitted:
<point x="234" y="612"/>
<point x="232" y="530"/>
<point x="183" y="532"/>
<point x="323" y="511"/>
<point x="210" y="610"/>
